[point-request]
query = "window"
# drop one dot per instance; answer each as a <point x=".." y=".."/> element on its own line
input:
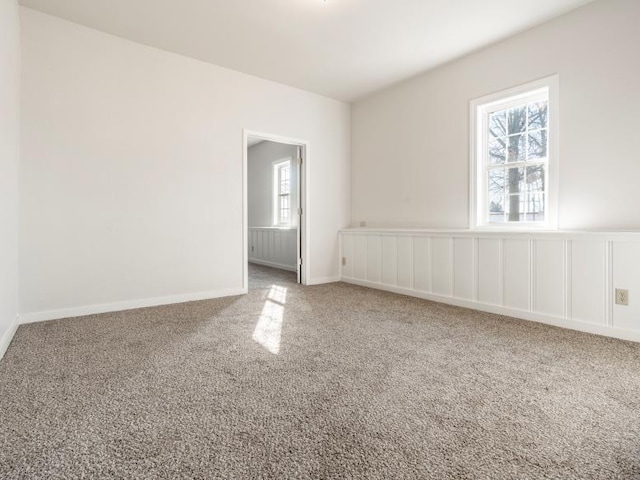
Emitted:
<point x="514" y="157"/>
<point x="282" y="194"/>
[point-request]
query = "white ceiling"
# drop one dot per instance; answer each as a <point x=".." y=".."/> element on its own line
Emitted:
<point x="343" y="49"/>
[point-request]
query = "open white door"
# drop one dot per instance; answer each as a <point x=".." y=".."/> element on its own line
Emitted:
<point x="300" y="212"/>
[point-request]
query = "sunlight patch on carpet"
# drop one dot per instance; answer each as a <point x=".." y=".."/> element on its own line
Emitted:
<point x="268" y="331"/>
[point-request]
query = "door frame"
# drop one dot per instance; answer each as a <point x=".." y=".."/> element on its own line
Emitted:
<point x="303" y="200"/>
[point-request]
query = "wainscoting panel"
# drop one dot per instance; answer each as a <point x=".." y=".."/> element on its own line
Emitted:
<point x="490" y="271"/>
<point x="463" y="266"/>
<point x="273" y="247"/>
<point x="390" y="260"/>
<point x="422" y="264"/>
<point x="626" y="275"/>
<point x="517" y="274"/>
<point x="550" y="284"/>
<point x="374" y="260"/>
<point x="442" y="263"/>
<point x="588" y="281"/>
<point x="567" y="279"/>
<point x="359" y="258"/>
<point x="405" y="262"/>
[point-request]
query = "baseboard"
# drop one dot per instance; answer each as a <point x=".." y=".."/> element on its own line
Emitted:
<point x="127" y="305"/>
<point x="571" y="324"/>
<point x="8" y="336"/>
<point x="322" y="280"/>
<point x="281" y="266"/>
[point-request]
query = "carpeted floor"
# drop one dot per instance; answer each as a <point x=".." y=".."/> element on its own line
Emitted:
<point x="331" y="381"/>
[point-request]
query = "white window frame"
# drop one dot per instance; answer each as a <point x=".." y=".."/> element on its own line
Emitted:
<point x="478" y="188"/>
<point x="277" y="219"/>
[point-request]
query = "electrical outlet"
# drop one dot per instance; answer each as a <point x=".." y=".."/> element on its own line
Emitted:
<point x="344" y="261"/>
<point x="363" y="224"/>
<point x="622" y="297"/>
<point x="252" y="248"/>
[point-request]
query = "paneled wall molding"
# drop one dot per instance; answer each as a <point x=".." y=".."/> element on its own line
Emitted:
<point x="273" y="247"/>
<point x="562" y="278"/>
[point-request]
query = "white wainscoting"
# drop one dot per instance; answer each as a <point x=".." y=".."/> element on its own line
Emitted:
<point x="274" y="247"/>
<point x="567" y="279"/>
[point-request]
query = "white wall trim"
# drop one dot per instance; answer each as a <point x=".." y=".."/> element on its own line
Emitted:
<point x="127" y="305"/>
<point x="498" y="310"/>
<point x="280" y="266"/>
<point x="8" y="336"/>
<point x="632" y="236"/>
<point x="323" y="280"/>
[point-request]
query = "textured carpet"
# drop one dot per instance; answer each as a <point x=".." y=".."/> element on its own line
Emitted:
<point x="364" y="384"/>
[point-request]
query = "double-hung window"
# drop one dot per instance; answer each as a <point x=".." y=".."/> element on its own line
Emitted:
<point x="514" y="135"/>
<point x="282" y="194"/>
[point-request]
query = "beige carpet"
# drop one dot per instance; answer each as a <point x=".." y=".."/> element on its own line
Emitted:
<point x="332" y="381"/>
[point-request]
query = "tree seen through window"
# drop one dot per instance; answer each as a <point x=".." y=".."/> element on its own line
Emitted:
<point x="517" y="163"/>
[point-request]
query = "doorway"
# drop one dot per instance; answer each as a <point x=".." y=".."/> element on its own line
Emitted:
<point x="275" y="214"/>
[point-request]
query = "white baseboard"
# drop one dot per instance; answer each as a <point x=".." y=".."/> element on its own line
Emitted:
<point x="8" y="336"/>
<point x="127" y="305"/>
<point x="571" y="324"/>
<point x="322" y="280"/>
<point x="281" y="266"/>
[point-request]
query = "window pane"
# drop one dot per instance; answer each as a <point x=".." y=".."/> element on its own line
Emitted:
<point x="515" y="180"/>
<point x="535" y="178"/>
<point x="284" y="209"/>
<point x="517" y="120"/>
<point x="538" y="115"/>
<point x="497" y="181"/>
<point x="284" y="173"/>
<point x="284" y="187"/>
<point x="537" y="144"/>
<point x="536" y="207"/>
<point x="498" y="124"/>
<point x="515" y="208"/>
<point x="496" y="208"/>
<point x="517" y="148"/>
<point x="515" y="158"/>
<point x="497" y="150"/>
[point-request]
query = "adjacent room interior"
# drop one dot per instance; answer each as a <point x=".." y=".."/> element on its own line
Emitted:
<point x="274" y="207"/>
<point x="319" y="239"/>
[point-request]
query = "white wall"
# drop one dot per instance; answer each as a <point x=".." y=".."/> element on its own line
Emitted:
<point x="132" y="171"/>
<point x="9" y="157"/>
<point x="260" y="160"/>
<point x="411" y="141"/>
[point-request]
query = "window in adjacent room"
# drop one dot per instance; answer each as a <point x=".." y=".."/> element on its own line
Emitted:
<point x="513" y="157"/>
<point x="282" y="194"/>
